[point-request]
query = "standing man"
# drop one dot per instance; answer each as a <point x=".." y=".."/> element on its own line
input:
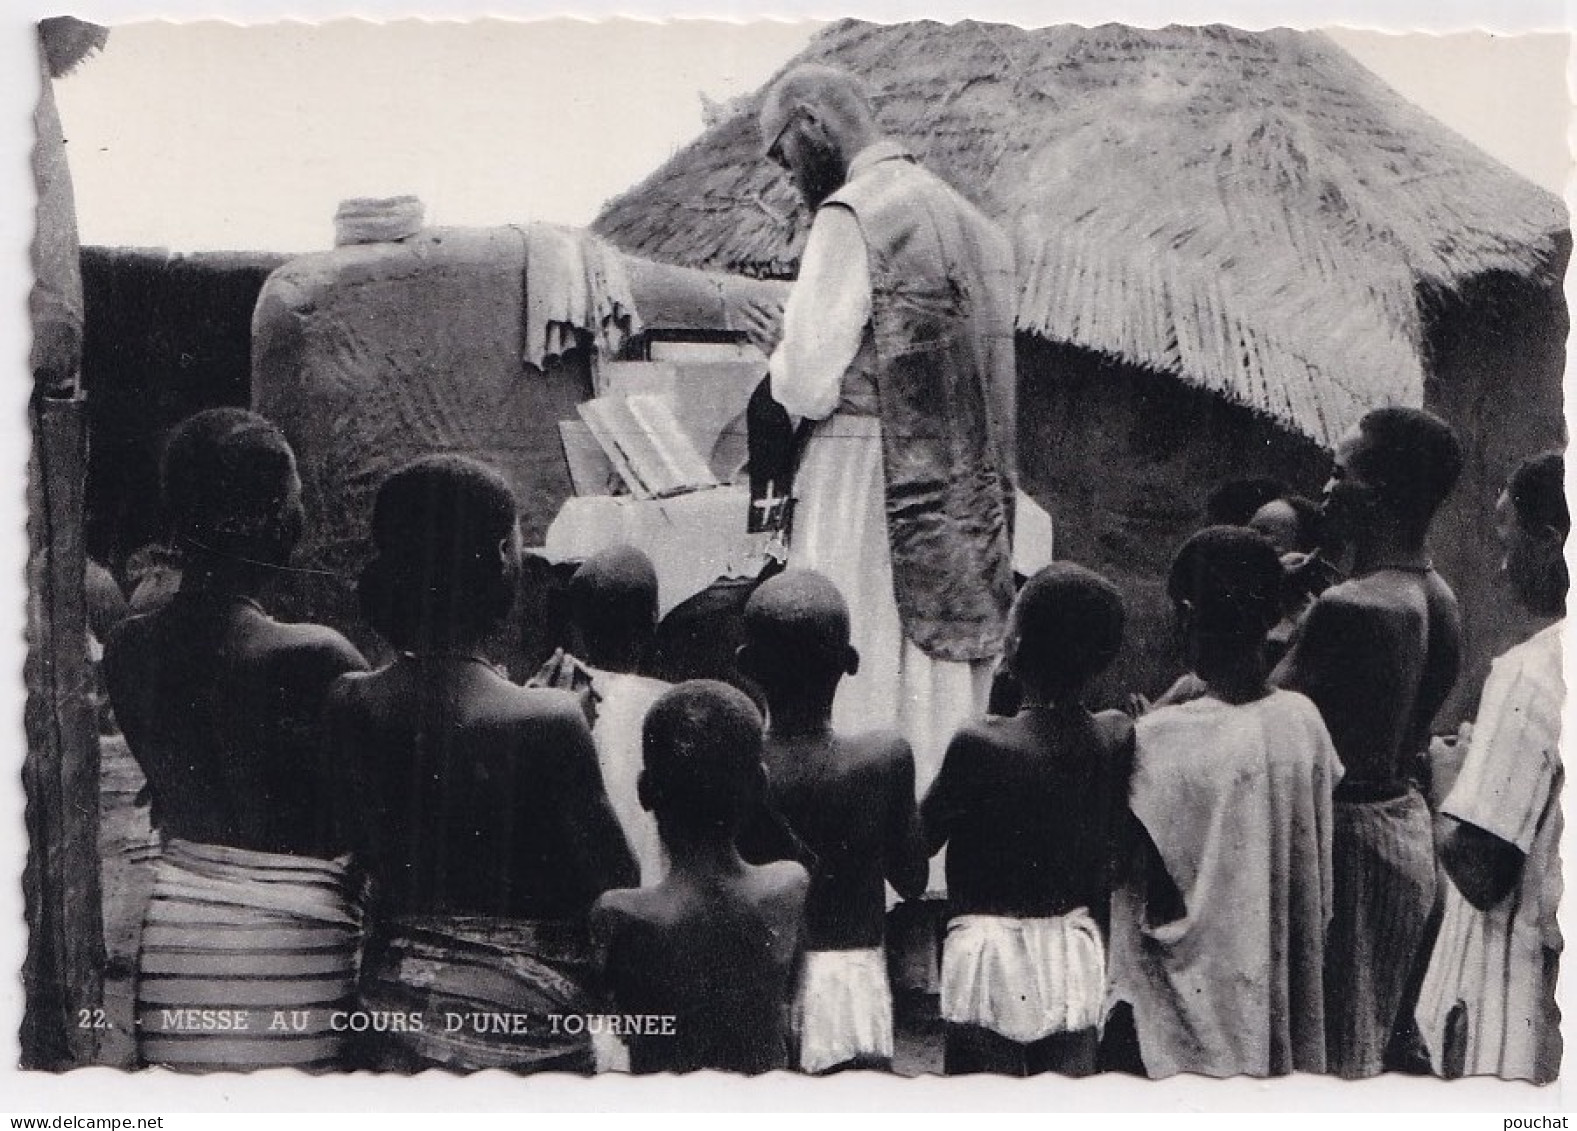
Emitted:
<point x="897" y="353"/>
<point x="1378" y="655"/>
<point x="1488" y="1002"/>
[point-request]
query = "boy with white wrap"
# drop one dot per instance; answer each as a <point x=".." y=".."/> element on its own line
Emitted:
<point x="850" y="800"/>
<point x="1026" y="807"/>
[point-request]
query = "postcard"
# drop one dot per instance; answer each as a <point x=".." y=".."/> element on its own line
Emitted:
<point x="790" y="560"/>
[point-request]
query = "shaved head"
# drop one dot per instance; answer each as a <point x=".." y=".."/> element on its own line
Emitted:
<point x="800" y="612"/>
<point x="613" y="604"/>
<point x="619" y="575"/>
<point x="701" y="752"/>
<point x="1067" y="627"/>
<point x="797" y="638"/>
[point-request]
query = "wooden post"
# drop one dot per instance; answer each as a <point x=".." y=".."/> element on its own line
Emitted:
<point x="63" y="971"/>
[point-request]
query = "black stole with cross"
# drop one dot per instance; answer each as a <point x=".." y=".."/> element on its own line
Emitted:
<point x="774" y="447"/>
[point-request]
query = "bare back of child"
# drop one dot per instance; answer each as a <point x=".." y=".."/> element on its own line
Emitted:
<point x="483" y="820"/>
<point x="712" y="958"/>
<point x="711" y="950"/>
<point x="1027" y="808"/>
<point x="850" y="798"/>
<point x="221" y="705"/>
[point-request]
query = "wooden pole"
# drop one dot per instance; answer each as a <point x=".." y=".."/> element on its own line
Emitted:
<point x="63" y="971"/>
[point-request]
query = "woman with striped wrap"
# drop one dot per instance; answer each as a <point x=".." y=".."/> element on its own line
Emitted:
<point x="483" y="822"/>
<point x="249" y="940"/>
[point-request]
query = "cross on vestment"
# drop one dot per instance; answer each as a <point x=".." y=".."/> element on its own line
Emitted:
<point x="770" y="511"/>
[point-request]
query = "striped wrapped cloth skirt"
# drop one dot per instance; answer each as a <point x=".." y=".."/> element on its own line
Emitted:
<point x="1383" y="868"/>
<point x="471" y="992"/>
<point x="247" y="960"/>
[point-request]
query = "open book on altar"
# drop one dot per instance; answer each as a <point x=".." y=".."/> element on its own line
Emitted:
<point x="653" y="455"/>
<point x="662" y="427"/>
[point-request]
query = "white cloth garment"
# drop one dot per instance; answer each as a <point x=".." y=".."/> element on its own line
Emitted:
<point x="1493" y="962"/>
<point x="1236" y="800"/>
<point x="1024" y="979"/>
<point x="825" y="316"/>
<point x="843" y="1008"/>
<point x="576" y="285"/>
<point x="622" y="703"/>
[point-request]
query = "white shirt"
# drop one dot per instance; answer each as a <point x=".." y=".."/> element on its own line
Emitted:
<point x="829" y="306"/>
<point x="1493" y="961"/>
<point x="1513" y="766"/>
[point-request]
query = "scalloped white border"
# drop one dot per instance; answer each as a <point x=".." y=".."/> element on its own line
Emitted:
<point x="112" y="1091"/>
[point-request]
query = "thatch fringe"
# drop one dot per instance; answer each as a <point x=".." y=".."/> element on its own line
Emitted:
<point x="1164" y="312"/>
<point x="1255" y="213"/>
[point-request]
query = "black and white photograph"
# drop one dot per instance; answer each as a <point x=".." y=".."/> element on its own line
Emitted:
<point x="849" y="552"/>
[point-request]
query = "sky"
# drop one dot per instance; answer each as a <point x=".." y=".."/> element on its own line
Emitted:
<point x="1507" y="94"/>
<point x="249" y="137"/>
<point x="207" y="136"/>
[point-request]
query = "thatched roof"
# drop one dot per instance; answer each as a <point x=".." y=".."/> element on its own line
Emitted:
<point x="1254" y="212"/>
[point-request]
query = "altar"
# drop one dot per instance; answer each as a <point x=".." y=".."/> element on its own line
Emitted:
<point x="693" y="539"/>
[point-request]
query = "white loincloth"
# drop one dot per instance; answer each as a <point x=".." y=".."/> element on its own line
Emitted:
<point x="1024" y="979"/>
<point x="843" y="1008"/>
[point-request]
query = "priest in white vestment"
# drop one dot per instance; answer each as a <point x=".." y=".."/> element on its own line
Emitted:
<point x="897" y="344"/>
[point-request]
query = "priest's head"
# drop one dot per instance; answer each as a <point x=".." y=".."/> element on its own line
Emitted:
<point x="814" y="120"/>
